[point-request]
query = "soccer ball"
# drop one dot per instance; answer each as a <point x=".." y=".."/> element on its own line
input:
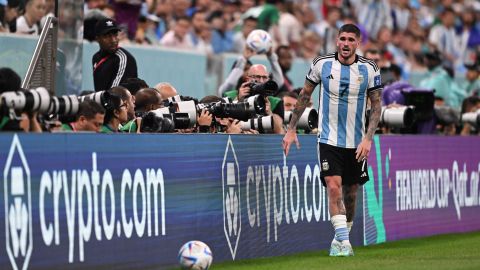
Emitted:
<point x="195" y="255"/>
<point x="259" y="41"/>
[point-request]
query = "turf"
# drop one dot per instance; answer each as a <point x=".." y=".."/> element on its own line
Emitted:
<point x="453" y="251"/>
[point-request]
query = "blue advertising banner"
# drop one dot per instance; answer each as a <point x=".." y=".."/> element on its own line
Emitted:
<point x="131" y="201"/>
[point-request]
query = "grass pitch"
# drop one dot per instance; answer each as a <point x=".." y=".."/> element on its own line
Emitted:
<point x="452" y="251"/>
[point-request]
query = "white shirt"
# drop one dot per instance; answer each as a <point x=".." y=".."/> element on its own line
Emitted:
<point x="24" y="28"/>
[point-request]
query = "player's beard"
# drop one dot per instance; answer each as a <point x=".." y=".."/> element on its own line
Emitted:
<point x="346" y="53"/>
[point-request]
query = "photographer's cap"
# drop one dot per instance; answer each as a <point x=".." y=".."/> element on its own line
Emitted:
<point x="105" y="26"/>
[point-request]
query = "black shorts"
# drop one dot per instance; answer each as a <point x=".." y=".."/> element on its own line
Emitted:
<point x="342" y="162"/>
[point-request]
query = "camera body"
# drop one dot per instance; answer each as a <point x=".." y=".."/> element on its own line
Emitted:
<point x="268" y="88"/>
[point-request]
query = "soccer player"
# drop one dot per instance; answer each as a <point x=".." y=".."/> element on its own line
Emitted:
<point x="346" y="81"/>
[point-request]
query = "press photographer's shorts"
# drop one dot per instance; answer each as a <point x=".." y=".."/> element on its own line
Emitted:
<point x="341" y="161"/>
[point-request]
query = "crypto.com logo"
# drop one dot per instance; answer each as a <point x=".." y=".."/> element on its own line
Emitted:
<point x="231" y="198"/>
<point x="18" y="205"/>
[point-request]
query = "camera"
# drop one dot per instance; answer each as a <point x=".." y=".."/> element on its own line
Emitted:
<point x="32" y="100"/>
<point x="262" y="124"/>
<point x="445" y="115"/>
<point x="161" y="121"/>
<point x="64" y="105"/>
<point x="171" y="101"/>
<point x="308" y="120"/>
<point x="242" y="110"/>
<point x="399" y="117"/>
<point x="472" y="118"/>
<point x="269" y="88"/>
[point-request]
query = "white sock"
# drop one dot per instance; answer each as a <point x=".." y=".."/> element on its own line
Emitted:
<point x="349" y="225"/>
<point x="339" y="223"/>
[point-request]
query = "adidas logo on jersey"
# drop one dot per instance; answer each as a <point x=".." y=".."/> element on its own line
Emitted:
<point x="330" y="77"/>
<point x="364" y="174"/>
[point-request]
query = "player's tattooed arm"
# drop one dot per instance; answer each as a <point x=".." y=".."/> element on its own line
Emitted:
<point x="375" y="112"/>
<point x="302" y="102"/>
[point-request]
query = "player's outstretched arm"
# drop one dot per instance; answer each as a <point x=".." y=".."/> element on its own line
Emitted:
<point x="363" y="148"/>
<point x="302" y="102"/>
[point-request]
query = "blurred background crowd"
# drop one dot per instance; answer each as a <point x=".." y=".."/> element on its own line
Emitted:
<point x="439" y="39"/>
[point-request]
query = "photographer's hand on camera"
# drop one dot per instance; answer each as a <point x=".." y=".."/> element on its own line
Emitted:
<point x="204" y="121"/>
<point x="233" y="126"/>
<point x="244" y="91"/>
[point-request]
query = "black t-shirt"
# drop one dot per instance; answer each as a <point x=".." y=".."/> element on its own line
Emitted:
<point x="110" y="69"/>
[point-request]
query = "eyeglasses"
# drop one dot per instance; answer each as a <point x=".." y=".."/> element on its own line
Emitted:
<point x="258" y="77"/>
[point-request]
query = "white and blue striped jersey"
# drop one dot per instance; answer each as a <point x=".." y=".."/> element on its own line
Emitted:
<point x="343" y="98"/>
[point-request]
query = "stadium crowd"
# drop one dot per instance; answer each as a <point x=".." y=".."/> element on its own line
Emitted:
<point x="438" y="38"/>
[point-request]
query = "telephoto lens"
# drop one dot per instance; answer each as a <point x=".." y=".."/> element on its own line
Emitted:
<point x="308" y="120"/>
<point x="399" y="117"/>
<point x="262" y="124"/>
<point x="32" y="100"/>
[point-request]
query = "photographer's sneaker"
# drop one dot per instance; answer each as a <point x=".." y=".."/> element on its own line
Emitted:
<point x="346" y="249"/>
<point x="336" y="248"/>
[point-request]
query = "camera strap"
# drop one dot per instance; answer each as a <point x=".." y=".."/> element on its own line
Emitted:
<point x="100" y="62"/>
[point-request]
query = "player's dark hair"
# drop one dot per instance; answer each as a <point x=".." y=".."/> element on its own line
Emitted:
<point x="350" y="28"/>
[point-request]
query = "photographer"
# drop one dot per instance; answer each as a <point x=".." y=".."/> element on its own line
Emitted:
<point x="116" y="114"/>
<point x="146" y="99"/>
<point x="470" y="105"/>
<point x="241" y="69"/>
<point x="89" y="118"/>
<point x="27" y="121"/>
<point x="207" y="123"/>
<point x="258" y="74"/>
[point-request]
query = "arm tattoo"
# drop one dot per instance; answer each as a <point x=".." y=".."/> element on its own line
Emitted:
<point x="375" y="113"/>
<point x="302" y="103"/>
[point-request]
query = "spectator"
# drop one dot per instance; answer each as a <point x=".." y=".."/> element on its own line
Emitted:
<point x="239" y="38"/>
<point x="289" y="27"/>
<point x="127" y="13"/>
<point x="328" y="30"/>
<point x="472" y="86"/>
<point x="8" y="16"/>
<point x="178" y="37"/>
<point x="89" y="118"/>
<point x="49" y="12"/>
<point x="443" y="36"/>
<point x="400" y="14"/>
<point x="222" y="36"/>
<point x="285" y="59"/>
<point x="469" y="35"/>
<point x="146" y="30"/>
<point x="438" y="78"/>
<point x="198" y="24"/>
<point x="29" y="23"/>
<point x="373" y="14"/>
<point x="310" y="46"/>
<point x="111" y="64"/>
